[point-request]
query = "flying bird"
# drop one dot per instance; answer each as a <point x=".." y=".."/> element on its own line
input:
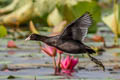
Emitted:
<point x="71" y="39"/>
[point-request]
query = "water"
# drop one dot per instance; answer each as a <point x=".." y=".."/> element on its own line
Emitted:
<point x="29" y="63"/>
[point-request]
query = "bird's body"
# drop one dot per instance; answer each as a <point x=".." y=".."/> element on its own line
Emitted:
<point x="71" y="39"/>
<point x="69" y="46"/>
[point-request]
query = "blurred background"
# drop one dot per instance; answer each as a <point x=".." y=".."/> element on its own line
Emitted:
<point x="20" y="18"/>
<point x="50" y="15"/>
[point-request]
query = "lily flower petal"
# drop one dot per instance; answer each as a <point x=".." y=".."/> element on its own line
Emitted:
<point x="46" y="51"/>
<point x="59" y="51"/>
<point x="68" y="64"/>
<point x="73" y="62"/>
<point x="11" y="44"/>
<point x="51" y="51"/>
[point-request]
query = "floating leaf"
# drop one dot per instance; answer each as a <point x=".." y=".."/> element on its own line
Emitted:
<point x="32" y="77"/>
<point x="18" y="16"/>
<point x="59" y="28"/>
<point x="54" y="18"/>
<point x="9" y="8"/>
<point x="5" y="62"/>
<point x="11" y="77"/>
<point x="72" y="9"/>
<point x="22" y="3"/>
<point x="112" y="21"/>
<point x="4" y="3"/>
<point x="3" y="31"/>
<point x="98" y="38"/>
<point x="32" y="28"/>
<point x="44" y="7"/>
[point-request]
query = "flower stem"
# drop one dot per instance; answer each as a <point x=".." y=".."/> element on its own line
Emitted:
<point x="54" y="63"/>
<point x="59" y="61"/>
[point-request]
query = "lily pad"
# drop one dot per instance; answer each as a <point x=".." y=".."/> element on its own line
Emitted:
<point x="74" y="9"/>
<point x="3" y="31"/>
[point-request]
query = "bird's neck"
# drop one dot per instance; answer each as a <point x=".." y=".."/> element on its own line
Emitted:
<point x="41" y="38"/>
<point x="48" y="40"/>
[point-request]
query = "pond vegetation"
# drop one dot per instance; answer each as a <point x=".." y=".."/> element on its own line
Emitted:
<point x="31" y="60"/>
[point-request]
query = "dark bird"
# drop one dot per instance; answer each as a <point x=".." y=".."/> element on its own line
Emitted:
<point x="71" y="39"/>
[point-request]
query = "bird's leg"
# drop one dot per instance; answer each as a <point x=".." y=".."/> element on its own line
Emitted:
<point x="59" y="62"/>
<point x="97" y="62"/>
<point x="54" y="63"/>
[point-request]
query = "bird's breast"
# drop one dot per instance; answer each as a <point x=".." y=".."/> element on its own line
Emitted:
<point x="71" y="47"/>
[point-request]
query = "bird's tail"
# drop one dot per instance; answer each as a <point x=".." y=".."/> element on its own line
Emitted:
<point x="96" y="61"/>
<point x="90" y="51"/>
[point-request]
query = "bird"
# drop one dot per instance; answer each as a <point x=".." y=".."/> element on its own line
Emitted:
<point x="71" y="40"/>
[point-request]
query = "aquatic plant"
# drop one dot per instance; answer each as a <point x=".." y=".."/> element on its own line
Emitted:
<point x="51" y="51"/>
<point x="112" y="20"/>
<point x="59" y="60"/>
<point x="68" y="64"/>
<point x="11" y="44"/>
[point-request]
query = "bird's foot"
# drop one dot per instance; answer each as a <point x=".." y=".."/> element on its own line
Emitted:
<point x="96" y="61"/>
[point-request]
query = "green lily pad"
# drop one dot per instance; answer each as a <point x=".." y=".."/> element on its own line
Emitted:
<point x="32" y="77"/>
<point x="3" y="31"/>
<point x="74" y="9"/>
<point x="5" y="62"/>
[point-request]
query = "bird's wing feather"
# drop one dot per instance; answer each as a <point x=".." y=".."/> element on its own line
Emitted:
<point x="77" y="30"/>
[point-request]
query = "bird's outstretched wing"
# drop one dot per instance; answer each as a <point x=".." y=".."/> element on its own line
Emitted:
<point x="77" y="30"/>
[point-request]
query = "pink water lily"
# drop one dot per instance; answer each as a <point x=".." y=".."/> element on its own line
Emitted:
<point x="11" y="44"/>
<point x="68" y="64"/>
<point x="51" y="51"/>
<point x="59" y="51"/>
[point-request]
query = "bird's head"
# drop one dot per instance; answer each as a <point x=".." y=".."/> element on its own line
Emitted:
<point x="32" y="37"/>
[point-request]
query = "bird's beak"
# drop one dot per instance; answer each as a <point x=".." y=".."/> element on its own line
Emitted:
<point x="27" y="39"/>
